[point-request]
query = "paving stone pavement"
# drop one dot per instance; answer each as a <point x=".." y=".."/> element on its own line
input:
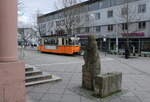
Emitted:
<point x="136" y="78"/>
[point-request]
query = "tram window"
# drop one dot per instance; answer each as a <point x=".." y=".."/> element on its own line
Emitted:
<point x="45" y="41"/>
<point x="40" y="42"/>
<point x="50" y="41"/>
<point x="62" y="41"/>
<point x="67" y="42"/>
<point x="70" y="42"/>
<point x="53" y="42"/>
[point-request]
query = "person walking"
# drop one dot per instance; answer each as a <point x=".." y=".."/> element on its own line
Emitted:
<point x="126" y="53"/>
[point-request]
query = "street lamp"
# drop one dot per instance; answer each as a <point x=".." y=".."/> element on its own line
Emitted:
<point x="105" y="40"/>
<point x="117" y="39"/>
<point x="92" y="16"/>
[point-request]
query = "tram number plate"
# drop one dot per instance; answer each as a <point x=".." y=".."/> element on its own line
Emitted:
<point x="50" y="47"/>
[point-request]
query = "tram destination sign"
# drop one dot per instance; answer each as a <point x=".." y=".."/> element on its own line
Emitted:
<point x="50" y="47"/>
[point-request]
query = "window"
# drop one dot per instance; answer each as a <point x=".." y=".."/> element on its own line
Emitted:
<point x="97" y="16"/>
<point x="86" y="17"/>
<point x="110" y="27"/>
<point x="78" y="30"/>
<point x="142" y="25"/>
<point x="77" y="19"/>
<point x="43" y="29"/>
<point x="124" y="26"/>
<point x="110" y="13"/>
<point x="87" y="29"/>
<point x="62" y="22"/>
<point x="117" y="2"/>
<point x="93" y="6"/>
<point x="58" y="23"/>
<point x="124" y="11"/>
<point x="84" y="8"/>
<point x="142" y="8"/>
<point x="98" y="28"/>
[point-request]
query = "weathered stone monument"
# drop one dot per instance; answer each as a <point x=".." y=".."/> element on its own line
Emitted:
<point x="102" y="84"/>
<point x="92" y="66"/>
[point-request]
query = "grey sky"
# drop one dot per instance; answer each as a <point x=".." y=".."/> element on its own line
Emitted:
<point x="30" y="8"/>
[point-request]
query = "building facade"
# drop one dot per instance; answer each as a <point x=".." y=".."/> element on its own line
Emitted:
<point x="27" y="36"/>
<point x="114" y="22"/>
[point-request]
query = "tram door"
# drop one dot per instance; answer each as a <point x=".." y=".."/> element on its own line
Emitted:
<point x="60" y="41"/>
<point x="42" y="40"/>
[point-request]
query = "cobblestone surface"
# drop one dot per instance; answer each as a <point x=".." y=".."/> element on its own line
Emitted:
<point x="136" y="78"/>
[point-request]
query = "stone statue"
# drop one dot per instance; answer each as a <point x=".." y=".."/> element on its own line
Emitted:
<point x="92" y="66"/>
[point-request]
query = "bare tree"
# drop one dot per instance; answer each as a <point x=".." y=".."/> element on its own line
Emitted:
<point x="20" y="5"/>
<point x="127" y="17"/>
<point x="35" y="24"/>
<point x="70" y="16"/>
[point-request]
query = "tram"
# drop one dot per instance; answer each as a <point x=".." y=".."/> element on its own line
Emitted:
<point x="59" y="44"/>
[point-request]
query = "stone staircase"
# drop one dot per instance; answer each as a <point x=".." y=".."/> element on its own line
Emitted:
<point x="35" y="76"/>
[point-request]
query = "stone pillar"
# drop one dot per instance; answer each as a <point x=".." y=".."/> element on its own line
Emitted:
<point x="139" y="47"/>
<point x="12" y="71"/>
<point x="117" y="39"/>
<point x="109" y="45"/>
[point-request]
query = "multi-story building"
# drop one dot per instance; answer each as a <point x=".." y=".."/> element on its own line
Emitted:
<point x="27" y="36"/>
<point x="114" y="22"/>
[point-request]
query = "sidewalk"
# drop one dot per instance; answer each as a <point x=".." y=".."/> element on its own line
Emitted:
<point x="136" y="78"/>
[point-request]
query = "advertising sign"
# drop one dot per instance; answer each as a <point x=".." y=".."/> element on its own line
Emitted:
<point x="133" y="34"/>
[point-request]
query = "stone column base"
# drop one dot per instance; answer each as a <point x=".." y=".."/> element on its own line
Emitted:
<point x="87" y="80"/>
<point x="12" y="82"/>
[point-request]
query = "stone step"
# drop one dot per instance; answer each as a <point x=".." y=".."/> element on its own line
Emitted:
<point x="54" y="78"/>
<point x="35" y="76"/>
<point x="33" y="73"/>
<point x="38" y="78"/>
<point x="29" y="69"/>
<point x="28" y="66"/>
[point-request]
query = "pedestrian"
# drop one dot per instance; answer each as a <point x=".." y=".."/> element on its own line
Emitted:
<point x="126" y="53"/>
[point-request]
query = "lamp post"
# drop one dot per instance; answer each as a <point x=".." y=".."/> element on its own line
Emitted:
<point x="105" y="40"/>
<point x="92" y="16"/>
<point x="117" y="44"/>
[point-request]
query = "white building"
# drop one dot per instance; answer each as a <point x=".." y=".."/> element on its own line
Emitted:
<point x="115" y="20"/>
<point x="27" y="36"/>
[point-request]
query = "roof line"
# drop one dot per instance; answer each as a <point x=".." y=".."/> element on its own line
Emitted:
<point x="76" y="5"/>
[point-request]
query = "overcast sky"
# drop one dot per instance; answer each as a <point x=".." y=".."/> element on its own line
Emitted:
<point x="30" y="7"/>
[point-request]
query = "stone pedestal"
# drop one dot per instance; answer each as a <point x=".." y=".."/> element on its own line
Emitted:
<point x="12" y="83"/>
<point x="107" y="84"/>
